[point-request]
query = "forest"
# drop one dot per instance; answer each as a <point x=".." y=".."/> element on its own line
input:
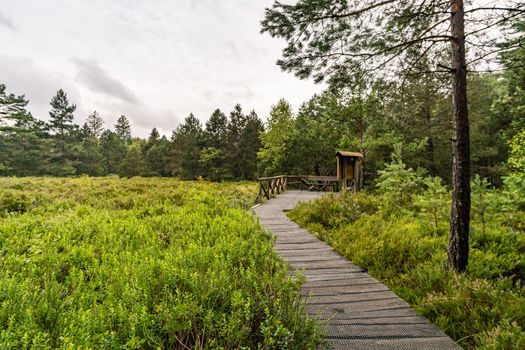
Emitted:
<point x="371" y="119"/>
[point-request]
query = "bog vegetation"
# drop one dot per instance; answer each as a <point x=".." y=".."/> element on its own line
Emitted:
<point x="397" y="230"/>
<point x="141" y="263"/>
<point x="109" y="256"/>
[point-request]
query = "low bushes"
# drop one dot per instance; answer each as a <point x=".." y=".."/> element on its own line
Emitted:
<point x="404" y="244"/>
<point x="143" y="263"/>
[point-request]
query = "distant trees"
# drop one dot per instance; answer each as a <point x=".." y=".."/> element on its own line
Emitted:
<point x="123" y="128"/>
<point x="236" y="124"/>
<point x="94" y="124"/>
<point x="369" y="116"/>
<point x="63" y="131"/>
<point x="133" y="163"/>
<point x="276" y="141"/>
<point x="225" y="148"/>
<point x="186" y="148"/>
<point x="249" y="146"/>
<point x="22" y="137"/>
<point x="61" y="115"/>
<point x="213" y="155"/>
<point x="155" y="152"/>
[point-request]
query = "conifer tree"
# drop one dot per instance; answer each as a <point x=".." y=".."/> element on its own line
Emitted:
<point x="22" y="148"/>
<point x="123" y="128"/>
<point x="157" y="156"/>
<point x="213" y="155"/>
<point x="249" y="145"/>
<point x="94" y="124"/>
<point x="133" y="164"/>
<point x="186" y="149"/>
<point x="236" y="125"/>
<point x="154" y="136"/>
<point x="113" y="149"/>
<point x="61" y="122"/>
<point x="64" y="132"/>
<point x="216" y="131"/>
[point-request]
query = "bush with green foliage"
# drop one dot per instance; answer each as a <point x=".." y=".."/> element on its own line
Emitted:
<point x="404" y="244"/>
<point x="142" y="263"/>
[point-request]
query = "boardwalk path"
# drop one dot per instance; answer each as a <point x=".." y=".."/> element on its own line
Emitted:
<point x="361" y="312"/>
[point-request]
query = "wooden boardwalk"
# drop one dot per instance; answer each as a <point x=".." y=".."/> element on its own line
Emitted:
<point x="359" y="311"/>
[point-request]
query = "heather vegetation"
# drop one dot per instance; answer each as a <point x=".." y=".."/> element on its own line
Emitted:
<point x="141" y="263"/>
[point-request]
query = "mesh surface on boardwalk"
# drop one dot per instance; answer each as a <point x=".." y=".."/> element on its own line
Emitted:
<point x="358" y="311"/>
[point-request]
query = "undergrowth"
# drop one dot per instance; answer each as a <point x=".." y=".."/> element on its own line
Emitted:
<point x="398" y="232"/>
<point x="142" y="263"/>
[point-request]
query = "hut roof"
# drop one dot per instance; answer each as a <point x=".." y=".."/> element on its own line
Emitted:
<point x="349" y="154"/>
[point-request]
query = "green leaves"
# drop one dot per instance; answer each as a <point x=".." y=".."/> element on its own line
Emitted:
<point x="142" y="263"/>
<point x="403" y="244"/>
<point x="517" y="152"/>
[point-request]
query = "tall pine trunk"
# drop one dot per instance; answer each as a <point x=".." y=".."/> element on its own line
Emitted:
<point x="458" y="247"/>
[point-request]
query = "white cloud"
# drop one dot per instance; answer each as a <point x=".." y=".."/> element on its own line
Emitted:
<point x="155" y="62"/>
<point x="99" y="81"/>
<point x="23" y="76"/>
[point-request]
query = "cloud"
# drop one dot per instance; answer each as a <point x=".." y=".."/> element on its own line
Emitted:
<point x="99" y="81"/>
<point x="7" y="22"/>
<point x="37" y="83"/>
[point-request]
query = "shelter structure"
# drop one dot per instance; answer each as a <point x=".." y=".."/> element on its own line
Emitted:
<point x="349" y="169"/>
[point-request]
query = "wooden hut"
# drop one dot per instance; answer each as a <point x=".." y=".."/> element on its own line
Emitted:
<point x="349" y="169"/>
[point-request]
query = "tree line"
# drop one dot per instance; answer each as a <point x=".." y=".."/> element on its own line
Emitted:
<point x="374" y="118"/>
<point x="371" y="118"/>
<point x="224" y="148"/>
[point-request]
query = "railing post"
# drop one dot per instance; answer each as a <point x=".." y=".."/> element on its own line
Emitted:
<point x="269" y="186"/>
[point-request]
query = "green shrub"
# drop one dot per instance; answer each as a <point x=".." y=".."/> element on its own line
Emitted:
<point x="144" y="263"/>
<point x="403" y="243"/>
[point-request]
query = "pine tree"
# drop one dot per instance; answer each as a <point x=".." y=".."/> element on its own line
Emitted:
<point x="22" y="148"/>
<point x="89" y="157"/>
<point x="153" y="139"/>
<point x="133" y="164"/>
<point x="154" y="136"/>
<point x="249" y="145"/>
<point x="113" y="149"/>
<point x="157" y="156"/>
<point x="216" y="131"/>
<point x="236" y="125"/>
<point x="64" y="133"/>
<point x="61" y="122"/>
<point x="12" y="107"/>
<point x="156" y="152"/>
<point x="123" y="128"/>
<point x="95" y="124"/>
<point x="186" y="149"/>
<point x="213" y="161"/>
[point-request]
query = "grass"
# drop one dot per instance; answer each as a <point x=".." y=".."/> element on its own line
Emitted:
<point x="142" y="263"/>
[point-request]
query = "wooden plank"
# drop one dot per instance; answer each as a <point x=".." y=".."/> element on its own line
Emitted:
<point x="390" y="344"/>
<point x="358" y="311"/>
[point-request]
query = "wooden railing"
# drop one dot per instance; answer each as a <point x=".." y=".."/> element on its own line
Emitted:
<point x="271" y="186"/>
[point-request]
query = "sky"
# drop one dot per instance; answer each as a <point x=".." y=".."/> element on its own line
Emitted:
<point x="154" y="61"/>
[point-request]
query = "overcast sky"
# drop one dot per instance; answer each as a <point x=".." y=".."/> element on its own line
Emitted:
<point x="154" y="61"/>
